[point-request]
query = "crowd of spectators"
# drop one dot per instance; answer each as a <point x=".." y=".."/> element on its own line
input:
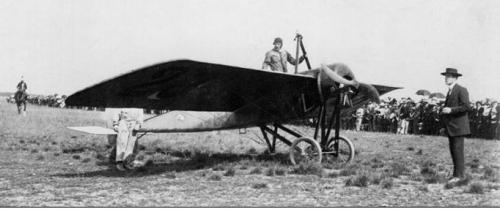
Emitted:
<point x="407" y="116"/>
<point x="55" y="100"/>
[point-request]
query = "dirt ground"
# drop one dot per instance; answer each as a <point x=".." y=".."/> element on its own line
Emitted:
<point x="44" y="164"/>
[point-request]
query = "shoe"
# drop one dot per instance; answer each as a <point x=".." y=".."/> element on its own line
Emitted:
<point x="454" y="180"/>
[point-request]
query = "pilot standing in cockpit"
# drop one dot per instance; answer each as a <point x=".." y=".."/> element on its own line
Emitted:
<point x="277" y="59"/>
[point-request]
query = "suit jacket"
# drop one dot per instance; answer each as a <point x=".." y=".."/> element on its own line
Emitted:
<point x="457" y="122"/>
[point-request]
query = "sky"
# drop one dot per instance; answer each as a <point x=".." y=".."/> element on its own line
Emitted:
<point x="62" y="46"/>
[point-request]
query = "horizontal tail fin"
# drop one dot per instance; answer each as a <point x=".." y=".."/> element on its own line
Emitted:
<point x="94" y="130"/>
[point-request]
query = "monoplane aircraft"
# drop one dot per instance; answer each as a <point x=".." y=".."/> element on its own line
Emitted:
<point x="204" y="96"/>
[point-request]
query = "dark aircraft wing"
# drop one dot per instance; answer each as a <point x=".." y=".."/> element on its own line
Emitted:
<point x="189" y="85"/>
<point x="199" y="86"/>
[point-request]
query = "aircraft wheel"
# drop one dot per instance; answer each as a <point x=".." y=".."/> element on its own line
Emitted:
<point x="305" y="150"/>
<point x="120" y="167"/>
<point x="128" y="163"/>
<point x="113" y="164"/>
<point x="345" y="152"/>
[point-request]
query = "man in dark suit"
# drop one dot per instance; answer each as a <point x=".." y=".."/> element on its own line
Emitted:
<point x="455" y="119"/>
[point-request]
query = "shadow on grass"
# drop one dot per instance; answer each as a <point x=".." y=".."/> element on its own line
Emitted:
<point x="197" y="161"/>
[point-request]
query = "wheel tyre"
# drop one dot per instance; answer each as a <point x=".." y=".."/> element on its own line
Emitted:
<point x="315" y="145"/>
<point x="349" y="152"/>
<point x="120" y="167"/>
<point x="128" y="163"/>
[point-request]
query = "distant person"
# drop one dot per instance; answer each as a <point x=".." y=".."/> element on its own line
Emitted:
<point x="276" y="59"/>
<point x="22" y="86"/>
<point x="21" y="97"/>
<point x="455" y="119"/>
<point x="493" y="120"/>
<point x="360" y="112"/>
<point x="404" y="116"/>
<point x="475" y="117"/>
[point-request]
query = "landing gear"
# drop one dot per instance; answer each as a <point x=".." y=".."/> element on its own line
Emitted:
<point x="321" y="148"/>
<point x="339" y="150"/>
<point x="123" y="163"/>
<point x="305" y="150"/>
<point x="127" y="164"/>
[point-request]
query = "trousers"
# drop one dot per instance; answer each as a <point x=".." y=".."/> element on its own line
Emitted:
<point x="359" y="122"/>
<point x="403" y="126"/>
<point x="457" y="155"/>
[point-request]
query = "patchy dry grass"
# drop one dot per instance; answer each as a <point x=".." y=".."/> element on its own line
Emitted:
<point x="475" y="188"/>
<point x="256" y="170"/>
<point x="423" y="188"/>
<point x="308" y="169"/>
<point x="333" y="175"/>
<point x="52" y="166"/>
<point x="377" y="178"/>
<point x="230" y="172"/>
<point x="259" y="186"/>
<point x="493" y="186"/>
<point x="219" y="167"/>
<point x="171" y="175"/>
<point x="397" y="169"/>
<point x="40" y="157"/>
<point x="279" y="171"/>
<point x="435" y="178"/>
<point x="270" y="171"/>
<point x="416" y="176"/>
<point x="490" y="174"/>
<point x="215" y="177"/>
<point x="350" y="170"/>
<point x="449" y="186"/>
<point x="387" y="183"/>
<point x="359" y="180"/>
<point x="430" y="173"/>
<point x="86" y="160"/>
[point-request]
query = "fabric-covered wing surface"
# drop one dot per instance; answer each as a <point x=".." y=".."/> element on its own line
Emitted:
<point x="189" y="85"/>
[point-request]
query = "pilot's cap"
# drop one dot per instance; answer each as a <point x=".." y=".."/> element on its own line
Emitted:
<point x="278" y="40"/>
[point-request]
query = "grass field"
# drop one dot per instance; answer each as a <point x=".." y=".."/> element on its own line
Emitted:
<point x="44" y="164"/>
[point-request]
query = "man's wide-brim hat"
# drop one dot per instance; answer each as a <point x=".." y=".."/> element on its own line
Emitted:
<point x="451" y="71"/>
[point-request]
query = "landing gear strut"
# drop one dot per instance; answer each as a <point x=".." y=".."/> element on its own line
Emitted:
<point x="322" y="148"/>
